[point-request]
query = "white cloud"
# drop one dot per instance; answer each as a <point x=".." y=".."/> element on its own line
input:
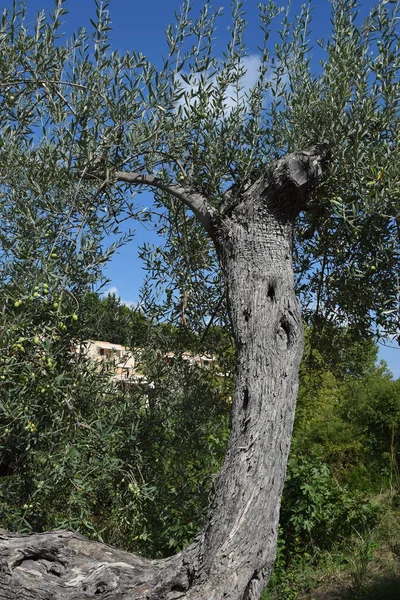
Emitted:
<point x="251" y="65"/>
<point x="114" y="291"/>
<point x="130" y="303"/>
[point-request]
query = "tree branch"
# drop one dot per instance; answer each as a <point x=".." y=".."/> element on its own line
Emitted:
<point x="63" y="565"/>
<point x="193" y="200"/>
<point x="300" y="170"/>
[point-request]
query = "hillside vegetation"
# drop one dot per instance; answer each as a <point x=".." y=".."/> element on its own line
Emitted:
<point x="136" y="467"/>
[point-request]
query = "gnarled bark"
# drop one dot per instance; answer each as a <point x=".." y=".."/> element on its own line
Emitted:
<point x="233" y="556"/>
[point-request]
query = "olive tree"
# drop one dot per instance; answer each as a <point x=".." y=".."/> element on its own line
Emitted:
<point x="286" y="185"/>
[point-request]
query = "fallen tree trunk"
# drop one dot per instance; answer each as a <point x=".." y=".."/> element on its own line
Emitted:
<point x="233" y="556"/>
<point x="65" y="565"/>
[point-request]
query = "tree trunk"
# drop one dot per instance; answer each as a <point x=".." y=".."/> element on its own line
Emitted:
<point x="233" y="556"/>
<point x="239" y="541"/>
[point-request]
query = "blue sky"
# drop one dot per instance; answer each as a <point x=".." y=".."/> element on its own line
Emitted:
<point x="141" y="25"/>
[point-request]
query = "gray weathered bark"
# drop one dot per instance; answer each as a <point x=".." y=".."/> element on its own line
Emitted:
<point x="233" y="555"/>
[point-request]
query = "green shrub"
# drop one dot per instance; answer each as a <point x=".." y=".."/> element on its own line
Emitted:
<point x="317" y="510"/>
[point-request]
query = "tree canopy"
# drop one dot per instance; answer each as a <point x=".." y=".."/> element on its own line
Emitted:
<point x="304" y="162"/>
<point x="102" y="122"/>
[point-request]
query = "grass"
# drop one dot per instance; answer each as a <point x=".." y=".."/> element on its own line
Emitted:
<point x="383" y="587"/>
<point x="366" y="567"/>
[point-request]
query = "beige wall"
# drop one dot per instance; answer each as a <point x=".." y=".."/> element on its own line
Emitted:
<point x="123" y="362"/>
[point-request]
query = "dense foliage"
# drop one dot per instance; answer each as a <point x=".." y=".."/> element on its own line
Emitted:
<point x="135" y="467"/>
<point x="107" y="318"/>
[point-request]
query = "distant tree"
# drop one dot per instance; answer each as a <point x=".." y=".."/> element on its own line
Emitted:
<point x="303" y="163"/>
<point x="372" y="405"/>
<point x="107" y="318"/>
<point x="333" y="361"/>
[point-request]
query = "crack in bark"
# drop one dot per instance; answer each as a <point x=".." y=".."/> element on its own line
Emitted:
<point x="271" y="292"/>
<point x="247" y="314"/>
<point x="245" y="398"/>
<point x="285" y="331"/>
